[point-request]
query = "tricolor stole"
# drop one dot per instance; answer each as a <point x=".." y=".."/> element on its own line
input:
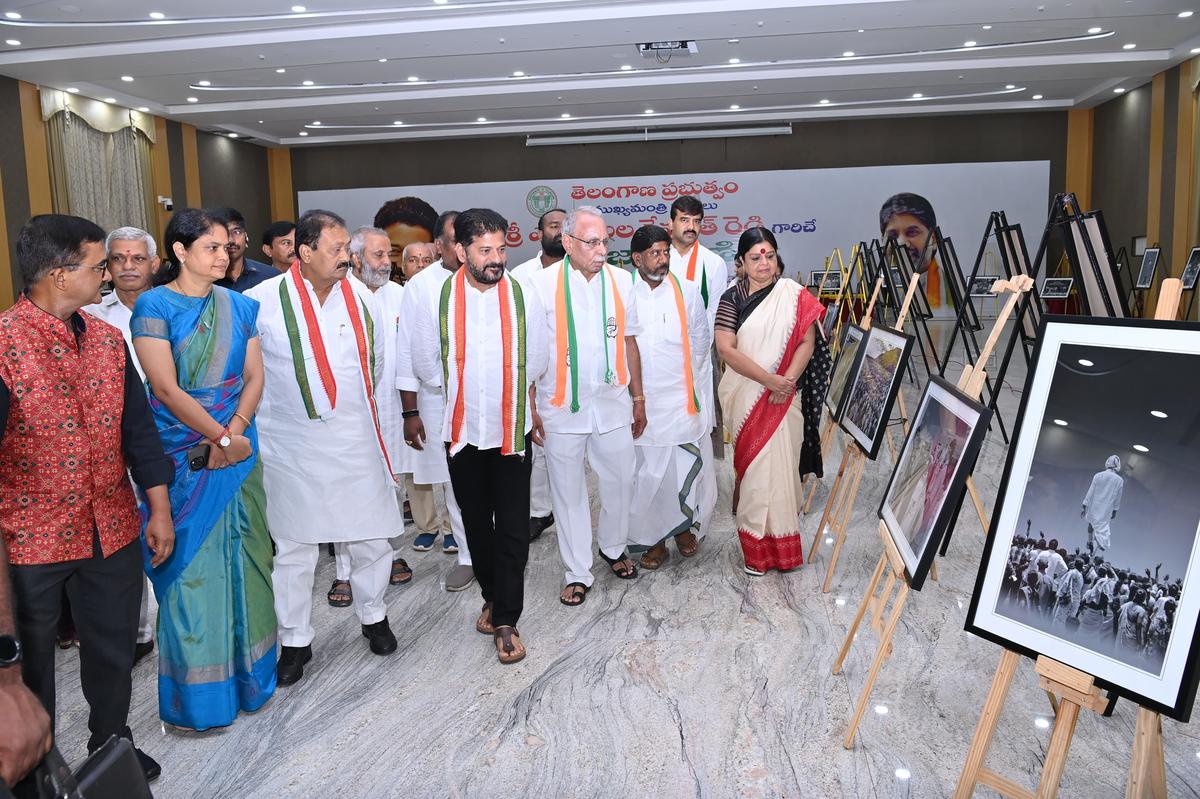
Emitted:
<point x="692" y="404"/>
<point x="567" y="341"/>
<point x="691" y="272"/>
<point x="308" y="349"/>
<point x="452" y="321"/>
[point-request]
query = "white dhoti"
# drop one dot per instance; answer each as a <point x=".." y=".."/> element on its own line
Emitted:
<point x="540" y="505"/>
<point x="609" y="455"/>
<point x="669" y="493"/>
<point x="1102" y="532"/>
<point x="292" y="577"/>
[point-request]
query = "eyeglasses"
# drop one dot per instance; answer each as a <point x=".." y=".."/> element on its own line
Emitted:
<point x="99" y="270"/>
<point x="592" y="244"/>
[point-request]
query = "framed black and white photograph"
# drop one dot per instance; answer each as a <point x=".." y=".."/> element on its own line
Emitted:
<point x="829" y="323"/>
<point x="1191" y="269"/>
<point x="1145" y="278"/>
<point x="1057" y="288"/>
<point x="1093" y="557"/>
<point x="827" y="282"/>
<point x="931" y="474"/>
<point x="981" y="286"/>
<point x="873" y="386"/>
<point x="844" y="368"/>
<point x="1099" y="278"/>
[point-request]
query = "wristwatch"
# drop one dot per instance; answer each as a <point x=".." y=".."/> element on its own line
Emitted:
<point x="224" y="441"/>
<point x="10" y="651"/>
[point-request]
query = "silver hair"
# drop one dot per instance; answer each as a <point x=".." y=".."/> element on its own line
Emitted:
<point x="573" y="217"/>
<point x="131" y="234"/>
<point x="358" y="239"/>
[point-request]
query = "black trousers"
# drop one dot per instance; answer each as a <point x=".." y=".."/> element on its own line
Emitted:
<point x="493" y="494"/>
<point x="105" y="596"/>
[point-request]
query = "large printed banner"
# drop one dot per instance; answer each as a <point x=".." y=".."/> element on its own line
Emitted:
<point x="810" y="211"/>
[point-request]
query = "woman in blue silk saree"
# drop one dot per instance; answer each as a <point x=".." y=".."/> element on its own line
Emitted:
<point x="216" y="618"/>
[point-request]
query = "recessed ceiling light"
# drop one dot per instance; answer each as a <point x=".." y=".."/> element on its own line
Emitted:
<point x="626" y="67"/>
<point x="565" y="116"/>
<point x="440" y="2"/>
<point x="1061" y="422"/>
<point x="1129" y="46"/>
<point x="735" y="61"/>
<point x="1085" y="362"/>
<point x="1158" y="414"/>
<point x="1041" y="723"/>
<point x="157" y="15"/>
<point x="306" y="83"/>
<point x="1141" y="448"/>
<point x="12" y="15"/>
<point x="413" y="79"/>
<point x="917" y="95"/>
<point x="398" y="122"/>
<point x="233" y="135"/>
<point x="304" y="133"/>
<point x="382" y="60"/>
<point x="1119" y="90"/>
<point x="848" y="54"/>
<point x="144" y="109"/>
<point x="1185" y="14"/>
<point x="1037" y="97"/>
<point x="862" y="30"/>
<point x="648" y="111"/>
<point x="260" y="121"/>
<point x="110" y="99"/>
<point x="1095" y="30"/>
<point x="299" y="9"/>
<point x="823" y="102"/>
<point x="987" y="27"/>
<point x="72" y="90"/>
<point x="193" y="99"/>
<point x="903" y="774"/>
<point x="204" y="83"/>
<point x="518" y="74"/>
<point x="733" y="41"/>
<point x="970" y="43"/>
<point x="1010" y="86"/>
<point x="280" y="71"/>
<point x="13" y="42"/>
<point x="127" y="78"/>
<point x="734" y="107"/>
<point x="1196" y="51"/>
<point x="481" y="119"/>
<point x="316" y="122"/>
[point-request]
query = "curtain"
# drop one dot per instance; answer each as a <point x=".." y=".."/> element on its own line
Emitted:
<point x="104" y="177"/>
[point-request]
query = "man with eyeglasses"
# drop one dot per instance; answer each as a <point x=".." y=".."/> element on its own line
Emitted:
<point x="416" y="256"/>
<point x="242" y="273"/>
<point x="132" y="263"/>
<point x="589" y="402"/>
<point x="74" y="418"/>
<point x="550" y="224"/>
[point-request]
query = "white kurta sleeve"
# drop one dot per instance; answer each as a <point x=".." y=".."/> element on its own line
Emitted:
<point x="633" y="327"/>
<point x="698" y="326"/>
<point x="537" y="351"/>
<point x="406" y="379"/>
<point x="425" y="346"/>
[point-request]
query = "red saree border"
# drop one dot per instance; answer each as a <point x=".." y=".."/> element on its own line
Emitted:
<point x="782" y="553"/>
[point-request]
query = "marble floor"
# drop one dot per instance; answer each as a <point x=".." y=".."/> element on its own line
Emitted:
<point x="694" y="681"/>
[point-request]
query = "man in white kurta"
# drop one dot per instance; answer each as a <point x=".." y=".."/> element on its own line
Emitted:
<point x="696" y="263"/>
<point x="1101" y="503"/>
<point x="669" y="498"/>
<point x="369" y="248"/>
<point x="325" y="468"/>
<point x="541" y="509"/>
<point x="421" y="401"/>
<point x="590" y="400"/>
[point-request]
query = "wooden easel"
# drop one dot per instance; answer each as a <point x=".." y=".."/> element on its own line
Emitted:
<point x="1147" y="768"/>
<point x="844" y="491"/>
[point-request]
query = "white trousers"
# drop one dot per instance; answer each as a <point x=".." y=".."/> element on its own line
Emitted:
<point x="145" y="618"/>
<point x="611" y="457"/>
<point x="539" y="486"/>
<point x="292" y="577"/>
<point x="342" y="558"/>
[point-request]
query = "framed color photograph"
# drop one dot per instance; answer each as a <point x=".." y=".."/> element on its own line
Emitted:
<point x="1145" y="278"/>
<point x="1057" y="288"/>
<point x="931" y="473"/>
<point x="1191" y="270"/>
<point x="844" y="368"/>
<point x="1093" y="557"/>
<point x="873" y="386"/>
<point x="981" y="286"/>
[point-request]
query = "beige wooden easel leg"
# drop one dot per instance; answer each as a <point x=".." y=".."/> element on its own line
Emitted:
<point x="933" y="574"/>
<point x="881" y="605"/>
<point x="867" y="600"/>
<point x="1148" y="769"/>
<point x="826" y="443"/>
<point x="983" y="519"/>
<point x="981" y="741"/>
<point x="885" y="646"/>
<point x="843" y="522"/>
<point x="831" y="504"/>
<point x="1056" y="754"/>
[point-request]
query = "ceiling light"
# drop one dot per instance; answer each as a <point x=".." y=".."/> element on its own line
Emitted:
<point x="127" y="78"/>
<point x="413" y="79"/>
<point x="110" y="99"/>
<point x="1085" y="362"/>
<point x="13" y="42"/>
<point x="903" y="774"/>
<point x="233" y="135"/>
<point x="316" y="122"/>
<point x="1094" y="30"/>
<point x="734" y="107"/>
<point x="848" y="54"/>
<point x="12" y="15"/>
<point x="398" y="122"/>
<point x="72" y="90"/>
<point x="200" y="83"/>
<point x="1010" y="86"/>
<point x="1141" y="448"/>
<point x="280" y="71"/>
<point x="1196" y="51"/>
<point x="1060" y="422"/>
<point x="304" y="133"/>
<point x="565" y="116"/>
<point x="1041" y="723"/>
<point x="1119" y="90"/>
<point x="260" y="121"/>
<point x="648" y="111"/>
<point x="862" y="30"/>
<point x="657" y="135"/>
<point x="733" y="41"/>
<point x="193" y="99"/>
<point x="440" y="2"/>
<point x="1129" y="46"/>
<point x="306" y="83"/>
<point x="917" y="95"/>
<point x="987" y="27"/>
<point x="144" y="109"/>
<point x="382" y="60"/>
<point x="518" y="74"/>
<point x="626" y="67"/>
<point x="299" y="9"/>
<point x="824" y="102"/>
<point x="157" y="15"/>
<point x="1185" y="14"/>
<point x="1037" y="97"/>
<point x="1158" y="414"/>
<point x="481" y="119"/>
<point x="731" y="61"/>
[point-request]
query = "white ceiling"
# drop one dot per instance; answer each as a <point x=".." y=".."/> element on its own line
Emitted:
<point x="464" y="54"/>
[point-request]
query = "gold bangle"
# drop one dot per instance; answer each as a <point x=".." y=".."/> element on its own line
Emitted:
<point x="639" y="399"/>
<point x="243" y="418"/>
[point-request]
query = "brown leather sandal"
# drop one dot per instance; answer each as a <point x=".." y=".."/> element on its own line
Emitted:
<point x="654" y="557"/>
<point x="688" y="543"/>
<point x="509" y="648"/>
<point x="484" y="623"/>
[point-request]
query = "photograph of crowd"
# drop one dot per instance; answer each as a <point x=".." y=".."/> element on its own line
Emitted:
<point x="981" y="286"/>
<point x="1057" y="288"/>
<point x="847" y="361"/>
<point x="874" y="387"/>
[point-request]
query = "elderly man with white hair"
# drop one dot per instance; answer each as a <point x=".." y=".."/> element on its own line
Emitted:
<point x="369" y="248"/>
<point x="1101" y="503"/>
<point x="415" y="257"/>
<point x="589" y="402"/>
<point x="132" y="262"/>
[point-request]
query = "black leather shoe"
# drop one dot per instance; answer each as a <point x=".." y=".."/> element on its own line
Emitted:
<point x="380" y="637"/>
<point x="290" y="667"/>
<point x="141" y="650"/>
<point x="538" y="525"/>
<point x="149" y="765"/>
